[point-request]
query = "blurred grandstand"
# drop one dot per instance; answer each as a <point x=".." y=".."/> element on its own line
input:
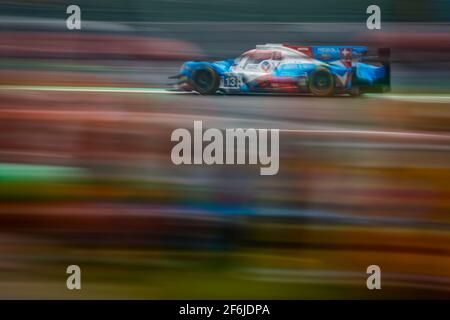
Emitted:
<point x="86" y="176"/>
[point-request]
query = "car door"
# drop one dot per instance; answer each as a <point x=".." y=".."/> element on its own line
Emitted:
<point x="289" y="77"/>
<point x="257" y="70"/>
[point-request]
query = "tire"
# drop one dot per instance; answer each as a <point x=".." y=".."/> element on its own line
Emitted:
<point x="355" y="91"/>
<point x="321" y="83"/>
<point x="206" y="81"/>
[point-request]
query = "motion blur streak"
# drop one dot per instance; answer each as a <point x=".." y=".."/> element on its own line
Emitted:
<point x="86" y="176"/>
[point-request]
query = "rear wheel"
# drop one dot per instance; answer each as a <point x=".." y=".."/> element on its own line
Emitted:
<point x="206" y="81"/>
<point x="321" y="83"/>
<point x="355" y="91"/>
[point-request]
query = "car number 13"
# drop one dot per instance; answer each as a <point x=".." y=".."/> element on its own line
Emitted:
<point x="231" y="82"/>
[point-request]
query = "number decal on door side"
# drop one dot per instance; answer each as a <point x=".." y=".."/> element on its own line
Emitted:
<point x="232" y="82"/>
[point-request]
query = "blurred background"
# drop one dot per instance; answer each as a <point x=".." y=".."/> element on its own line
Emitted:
<point x="86" y="176"/>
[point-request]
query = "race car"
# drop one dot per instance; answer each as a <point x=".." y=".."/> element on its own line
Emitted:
<point x="282" y="68"/>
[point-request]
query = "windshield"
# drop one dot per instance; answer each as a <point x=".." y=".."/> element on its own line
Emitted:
<point x="259" y="56"/>
<point x="239" y="59"/>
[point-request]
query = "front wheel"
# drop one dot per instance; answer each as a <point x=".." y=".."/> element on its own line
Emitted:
<point x="321" y="83"/>
<point x="206" y="81"/>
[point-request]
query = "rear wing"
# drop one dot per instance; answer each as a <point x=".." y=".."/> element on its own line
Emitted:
<point x="323" y="53"/>
<point x="327" y="53"/>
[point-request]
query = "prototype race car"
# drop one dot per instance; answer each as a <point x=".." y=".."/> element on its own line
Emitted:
<point x="281" y="68"/>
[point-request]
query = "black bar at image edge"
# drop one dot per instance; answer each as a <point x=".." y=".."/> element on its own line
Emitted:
<point x="222" y="309"/>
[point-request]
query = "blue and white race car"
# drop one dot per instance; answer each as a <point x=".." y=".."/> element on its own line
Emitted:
<point x="281" y="68"/>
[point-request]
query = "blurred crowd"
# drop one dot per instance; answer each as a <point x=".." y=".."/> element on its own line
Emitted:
<point x="86" y="176"/>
